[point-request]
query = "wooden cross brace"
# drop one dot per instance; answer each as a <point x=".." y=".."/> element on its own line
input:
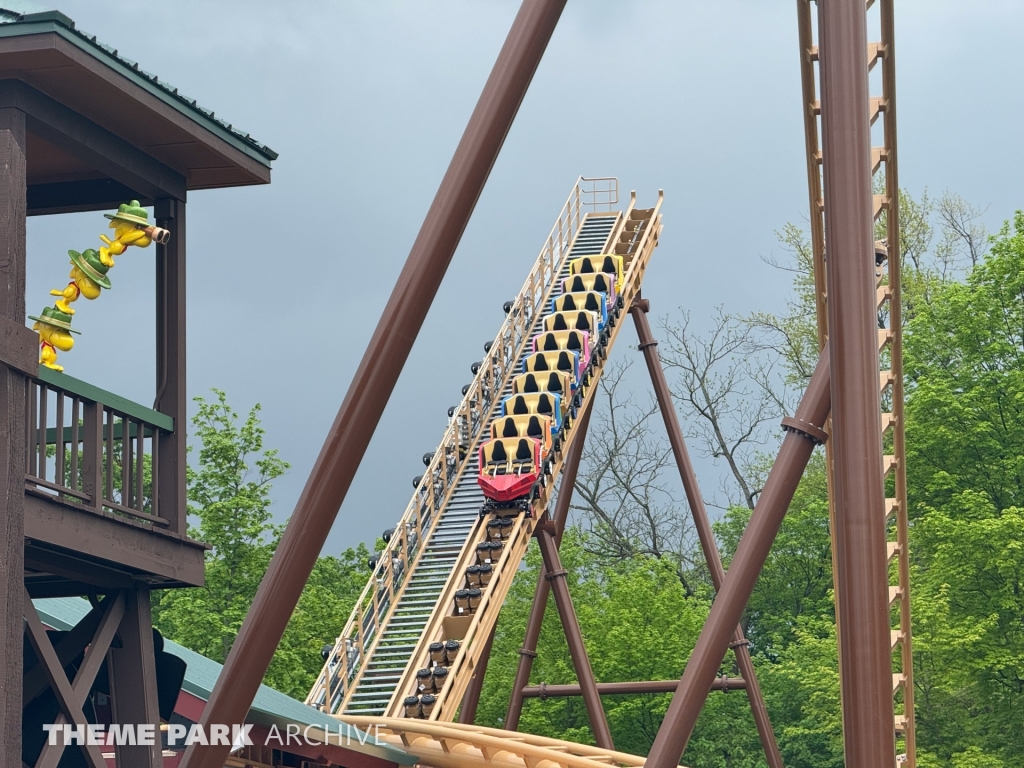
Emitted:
<point x="71" y="695"/>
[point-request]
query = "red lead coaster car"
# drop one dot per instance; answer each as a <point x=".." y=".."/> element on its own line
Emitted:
<point x="509" y="466"/>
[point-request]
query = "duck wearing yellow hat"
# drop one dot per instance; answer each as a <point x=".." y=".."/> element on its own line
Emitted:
<point x="131" y="227"/>
<point x="88" y="278"/>
<point x="55" y="331"/>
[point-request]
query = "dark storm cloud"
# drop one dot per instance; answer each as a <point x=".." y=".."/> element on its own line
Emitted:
<point x="366" y="101"/>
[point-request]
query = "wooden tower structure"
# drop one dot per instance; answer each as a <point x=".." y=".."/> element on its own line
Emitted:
<point x="92" y="486"/>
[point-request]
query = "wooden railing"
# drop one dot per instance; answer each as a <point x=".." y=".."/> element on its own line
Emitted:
<point x="93" y="448"/>
<point x="358" y="637"/>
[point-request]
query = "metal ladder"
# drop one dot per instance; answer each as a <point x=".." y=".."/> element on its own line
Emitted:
<point x="384" y="668"/>
<point x="890" y="341"/>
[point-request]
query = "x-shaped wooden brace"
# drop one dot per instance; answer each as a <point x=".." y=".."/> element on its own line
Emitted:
<point x="71" y="694"/>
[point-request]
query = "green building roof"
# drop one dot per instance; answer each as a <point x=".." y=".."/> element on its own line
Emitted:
<point x="269" y="708"/>
<point x="22" y="17"/>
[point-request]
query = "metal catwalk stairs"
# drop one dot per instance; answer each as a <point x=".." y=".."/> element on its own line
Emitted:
<point x="409" y="600"/>
<point x="881" y="61"/>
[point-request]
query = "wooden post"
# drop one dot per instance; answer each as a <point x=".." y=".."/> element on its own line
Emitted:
<point x="12" y="435"/>
<point x="170" y="362"/>
<point x="133" y="680"/>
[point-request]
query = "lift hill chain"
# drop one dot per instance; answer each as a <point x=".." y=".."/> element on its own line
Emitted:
<point x="890" y="342"/>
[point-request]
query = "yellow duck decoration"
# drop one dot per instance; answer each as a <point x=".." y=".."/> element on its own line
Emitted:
<point x="55" y="331"/>
<point x="131" y="227"/>
<point x="89" y="278"/>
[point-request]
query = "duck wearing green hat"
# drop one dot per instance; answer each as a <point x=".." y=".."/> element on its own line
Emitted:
<point x="88" y="278"/>
<point x="55" y="331"/>
<point x="131" y="227"/>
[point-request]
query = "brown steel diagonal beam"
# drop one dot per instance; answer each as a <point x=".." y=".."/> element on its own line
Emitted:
<point x="705" y="533"/>
<point x="378" y="372"/>
<point x="528" y="652"/>
<point x="803" y="432"/>
<point x="862" y="587"/>
<point x="584" y="673"/>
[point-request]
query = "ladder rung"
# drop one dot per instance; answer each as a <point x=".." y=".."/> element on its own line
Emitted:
<point x="881" y="203"/>
<point x="895" y="593"/>
<point x="877" y="107"/>
<point x="884" y="380"/>
<point x="895" y="638"/>
<point x="893" y="550"/>
<point x="876" y="51"/>
<point x="899" y="723"/>
<point x="888" y="462"/>
<point x="884" y="337"/>
<point x="882" y="295"/>
<point x="878" y="154"/>
<point x="888" y="421"/>
<point x="897" y="682"/>
<point x="891" y="505"/>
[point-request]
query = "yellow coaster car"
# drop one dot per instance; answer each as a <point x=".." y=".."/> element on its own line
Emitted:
<point x="592" y="301"/>
<point x="578" y="320"/>
<point x="563" y="360"/>
<point x="608" y="263"/>
<point x="574" y="341"/>
<point x="528" y="425"/>
<point x="542" y="403"/>
<point x="547" y="381"/>
<point x="599" y="282"/>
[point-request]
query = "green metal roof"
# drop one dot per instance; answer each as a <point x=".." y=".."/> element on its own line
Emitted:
<point x="21" y="17"/>
<point x="269" y="708"/>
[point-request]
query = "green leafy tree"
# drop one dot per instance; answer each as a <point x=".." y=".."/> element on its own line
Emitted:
<point x="229" y="500"/>
<point x="638" y="622"/>
<point x="965" y="438"/>
<point x="797" y="577"/>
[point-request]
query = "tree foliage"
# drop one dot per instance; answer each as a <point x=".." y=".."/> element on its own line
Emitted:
<point x="229" y="502"/>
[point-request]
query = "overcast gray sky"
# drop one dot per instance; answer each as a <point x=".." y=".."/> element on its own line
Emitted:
<point x="366" y="101"/>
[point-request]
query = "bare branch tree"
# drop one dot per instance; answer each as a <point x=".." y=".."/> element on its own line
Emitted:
<point x="621" y="495"/>
<point x="963" y="230"/>
<point x="730" y="389"/>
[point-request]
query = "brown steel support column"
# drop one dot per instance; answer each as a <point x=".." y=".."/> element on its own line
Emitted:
<point x="378" y="372"/>
<point x="803" y="433"/>
<point x="862" y="586"/>
<point x="581" y="662"/>
<point x="170" y="363"/>
<point x="528" y="652"/>
<point x="133" y="680"/>
<point x="12" y="431"/>
<point x="705" y="533"/>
